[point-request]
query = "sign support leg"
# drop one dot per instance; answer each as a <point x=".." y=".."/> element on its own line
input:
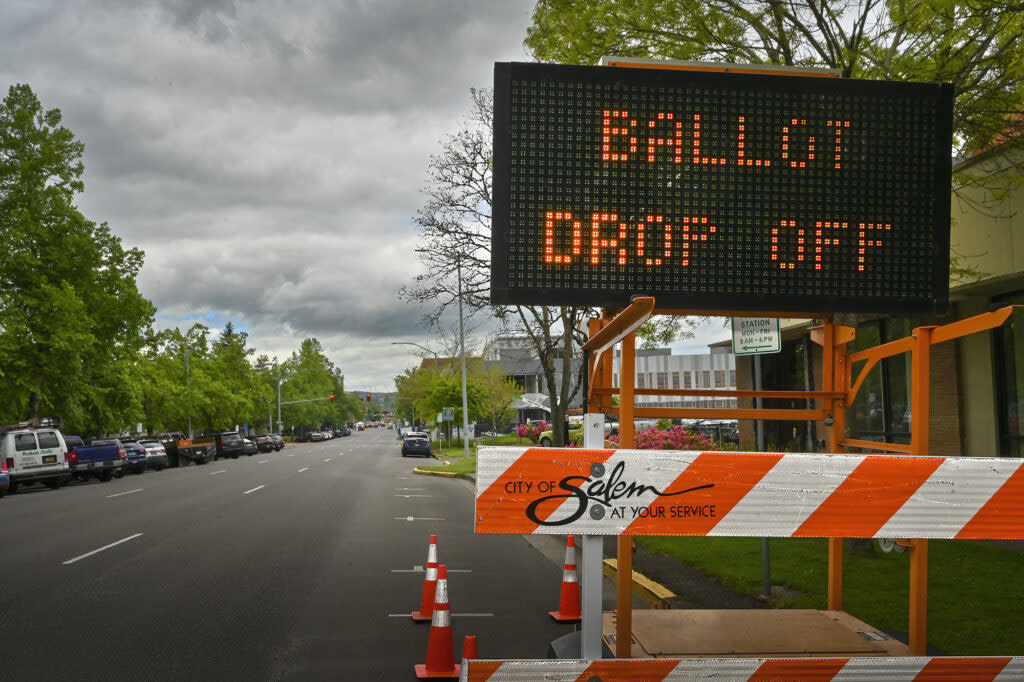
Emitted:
<point x="591" y="560"/>
<point x="624" y="575"/>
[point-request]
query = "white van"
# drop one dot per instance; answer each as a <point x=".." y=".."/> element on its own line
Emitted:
<point x="35" y="452"/>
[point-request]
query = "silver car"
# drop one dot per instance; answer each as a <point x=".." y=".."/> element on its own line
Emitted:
<point x="156" y="454"/>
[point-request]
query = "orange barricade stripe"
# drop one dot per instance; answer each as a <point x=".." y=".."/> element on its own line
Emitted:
<point x="962" y="669"/>
<point x="804" y="669"/>
<point x="481" y="671"/>
<point x="869" y="496"/>
<point x="732" y="474"/>
<point x="622" y="671"/>
<point x="536" y="464"/>
<point x="1003" y="512"/>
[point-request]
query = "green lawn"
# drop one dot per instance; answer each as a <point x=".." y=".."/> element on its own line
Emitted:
<point x="973" y="592"/>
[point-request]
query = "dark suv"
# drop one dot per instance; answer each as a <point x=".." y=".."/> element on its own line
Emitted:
<point x="230" y="444"/>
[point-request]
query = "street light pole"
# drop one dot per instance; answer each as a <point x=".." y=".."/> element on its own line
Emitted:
<point x="280" y="425"/>
<point x="462" y="347"/>
<point x="188" y="391"/>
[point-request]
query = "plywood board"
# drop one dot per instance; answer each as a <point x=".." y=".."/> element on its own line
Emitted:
<point x="749" y="632"/>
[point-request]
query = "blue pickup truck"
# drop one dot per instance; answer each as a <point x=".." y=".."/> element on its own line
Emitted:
<point x="99" y="460"/>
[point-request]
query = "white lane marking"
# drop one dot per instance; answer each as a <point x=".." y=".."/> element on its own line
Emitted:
<point x="96" y="551"/>
<point x="454" y="615"/>
<point x="418" y="518"/>
<point x="263" y="461"/>
<point x="214" y="473"/>
<point x="137" y="490"/>
<point x="413" y="496"/>
<point x="410" y="488"/>
<point x="303" y="469"/>
<point x="292" y="455"/>
<point x="420" y="569"/>
<point x="328" y="459"/>
<point x="254" y="489"/>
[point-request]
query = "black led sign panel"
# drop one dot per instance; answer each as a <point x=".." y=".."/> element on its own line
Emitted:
<point x="720" y="191"/>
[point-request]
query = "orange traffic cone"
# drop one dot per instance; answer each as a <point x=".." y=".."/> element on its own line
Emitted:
<point x="569" y="602"/>
<point x="429" y="584"/>
<point x="469" y="648"/>
<point x="440" y="657"/>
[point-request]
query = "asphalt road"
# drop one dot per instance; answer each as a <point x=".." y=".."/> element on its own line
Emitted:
<point x="302" y="564"/>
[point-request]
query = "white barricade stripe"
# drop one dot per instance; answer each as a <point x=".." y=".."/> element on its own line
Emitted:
<point x="1013" y="672"/>
<point x="949" y="498"/>
<point x="491" y="469"/>
<point x="793" y="489"/>
<point x="727" y="669"/>
<point x="881" y="669"/>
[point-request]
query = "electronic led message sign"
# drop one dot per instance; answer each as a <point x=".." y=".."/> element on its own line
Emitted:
<point x="720" y="191"/>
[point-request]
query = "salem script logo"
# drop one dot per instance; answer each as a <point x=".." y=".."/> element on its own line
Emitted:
<point x="585" y="488"/>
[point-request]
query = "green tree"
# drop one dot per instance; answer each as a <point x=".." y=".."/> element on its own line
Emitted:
<point x="71" y="318"/>
<point x="412" y="386"/>
<point x="974" y="44"/>
<point x="446" y="391"/>
<point x="312" y="377"/>
<point x="498" y="393"/>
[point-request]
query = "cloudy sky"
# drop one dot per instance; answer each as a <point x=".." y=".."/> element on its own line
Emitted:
<point x="267" y="156"/>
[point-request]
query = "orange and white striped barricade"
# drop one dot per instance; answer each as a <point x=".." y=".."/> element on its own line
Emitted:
<point x="593" y="492"/>
<point x="747" y="494"/>
<point x="867" y="669"/>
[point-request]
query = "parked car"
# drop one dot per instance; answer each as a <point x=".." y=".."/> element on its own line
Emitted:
<point x="264" y="443"/>
<point x="229" y="444"/>
<point x="575" y="436"/>
<point x="135" y="459"/>
<point x="278" y="442"/>
<point x="416" y="443"/>
<point x="5" y="479"/>
<point x="103" y="461"/>
<point x="315" y="436"/>
<point x="342" y="432"/>
<point x="156" y="454"/>
<point x="34" y="452"/>
<point x="249" y="447"/>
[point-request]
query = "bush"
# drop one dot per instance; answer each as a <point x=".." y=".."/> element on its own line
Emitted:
<point x="532" y="430"/>
<point x="676" y="438"/>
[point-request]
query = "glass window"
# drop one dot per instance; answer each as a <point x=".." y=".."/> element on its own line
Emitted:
<point x="640" y="381"/>
<point x="732" y="378"/>
<point x="675" y="379"/>
<point x="705" y="378"/>
<point x="719" y="378"/>
<point x="24" y="441"/>
<point x="687" y="380"/>
<point x="662" y="378"/>
<point x="48" y="439"/>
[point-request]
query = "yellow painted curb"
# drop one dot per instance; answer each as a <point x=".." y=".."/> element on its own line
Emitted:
<point x="656" y="594"/>
<point x="445" y="474"/>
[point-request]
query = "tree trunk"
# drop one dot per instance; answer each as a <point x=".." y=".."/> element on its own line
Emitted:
<point x="33" y="405"/>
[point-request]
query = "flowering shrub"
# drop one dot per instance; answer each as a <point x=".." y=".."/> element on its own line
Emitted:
<point x="676" y="438"/>
<point x="532" y="430"/>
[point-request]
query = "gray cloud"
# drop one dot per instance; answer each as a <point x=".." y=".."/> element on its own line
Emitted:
<point x="267" y="156"/>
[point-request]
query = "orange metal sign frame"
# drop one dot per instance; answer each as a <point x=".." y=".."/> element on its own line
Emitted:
<point x="838" y="392"/>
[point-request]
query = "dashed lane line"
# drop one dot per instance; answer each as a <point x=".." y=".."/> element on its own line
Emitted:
<point x="214" y="473"/>
<point x="128" y="492"/>
<point x="418" y="518"/>
<point x="254" y="489"/>
<point x="97" y="551"/>
<point x="263" y="461"/>
<point x="454" y="615"/>
<point x="303" y="469"/>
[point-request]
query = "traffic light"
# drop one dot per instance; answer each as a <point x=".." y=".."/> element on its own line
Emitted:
<point x="331" y="396"/>
<point x="367" y="397"/>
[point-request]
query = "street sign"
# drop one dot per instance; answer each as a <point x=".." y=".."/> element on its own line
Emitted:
<point x="755" y="335"/>
<point x="439" y="419"/>
<point x="719" y="191"/>
<point x="449" y="414"/>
